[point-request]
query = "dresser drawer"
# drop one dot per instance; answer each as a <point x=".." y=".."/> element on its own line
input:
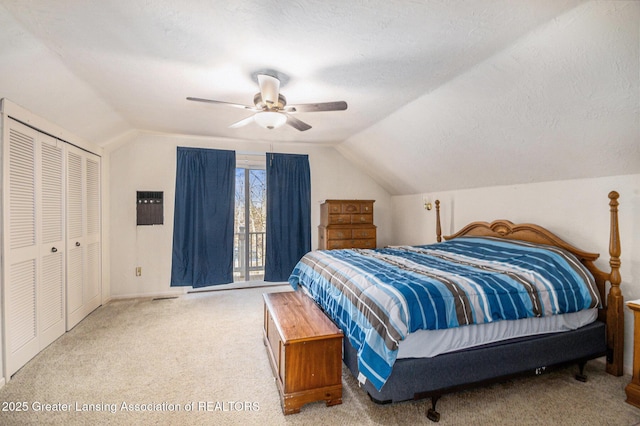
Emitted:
<point x="361" y="218"/>
<point x="369" y="243"/>
<point x="364" y="244"/>
<point x="339" y="244"/>
<point x="351" y="207"/>
<point x="334" y="207"/>
<point x="358" y="233"/>
<point x="339" y="219"/>
<point x="366" y="207"/>
<point x="339" y="234"/>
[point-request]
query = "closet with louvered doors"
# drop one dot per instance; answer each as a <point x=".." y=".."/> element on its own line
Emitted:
<point x="83" y="235"/>
<point x="51" y="233"/>
<point x="33" y="243"/>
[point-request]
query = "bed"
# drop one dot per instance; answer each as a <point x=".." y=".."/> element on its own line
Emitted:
<point x="492" y="301"/>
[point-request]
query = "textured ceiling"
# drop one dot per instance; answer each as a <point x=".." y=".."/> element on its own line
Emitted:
<point x="427" y="82"/>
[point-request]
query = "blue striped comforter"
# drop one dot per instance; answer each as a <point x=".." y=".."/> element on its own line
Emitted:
<point x="379" y="296"/>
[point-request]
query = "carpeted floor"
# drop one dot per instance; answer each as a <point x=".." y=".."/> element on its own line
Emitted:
<point x="200" y="359"/>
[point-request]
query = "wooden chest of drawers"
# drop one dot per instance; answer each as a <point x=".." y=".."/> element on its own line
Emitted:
<point x="305" y="350"/>
<point x="346" y="224"/>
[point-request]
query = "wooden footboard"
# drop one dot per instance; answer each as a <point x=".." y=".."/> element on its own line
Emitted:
<point x="612" y="310"/>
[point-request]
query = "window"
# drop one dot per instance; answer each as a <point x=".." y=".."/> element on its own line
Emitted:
<point x="250" y="217"/>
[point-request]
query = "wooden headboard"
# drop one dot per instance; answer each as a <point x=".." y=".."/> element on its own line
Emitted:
<point x="612" y="309"/>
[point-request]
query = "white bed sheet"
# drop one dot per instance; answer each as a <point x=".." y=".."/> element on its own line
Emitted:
<point x="429" y="343"/>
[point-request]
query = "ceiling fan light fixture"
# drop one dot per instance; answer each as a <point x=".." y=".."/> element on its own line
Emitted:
<point x="270" y="119"/>
<point x="269" y="87"/>
<point x="270" y="106"/>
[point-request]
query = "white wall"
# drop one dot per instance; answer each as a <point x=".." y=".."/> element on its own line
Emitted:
<point x="147" y="162"/>
<point x="576" y="210"/>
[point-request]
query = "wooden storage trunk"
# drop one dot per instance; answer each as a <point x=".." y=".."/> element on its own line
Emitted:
<point x="305" y="350"/>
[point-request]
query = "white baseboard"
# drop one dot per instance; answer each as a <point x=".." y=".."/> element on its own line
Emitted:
<point x="180" y="291"/>
<point x="148" y="295"/>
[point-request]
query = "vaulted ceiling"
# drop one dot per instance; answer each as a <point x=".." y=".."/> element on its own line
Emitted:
<point x="442" y="94"/>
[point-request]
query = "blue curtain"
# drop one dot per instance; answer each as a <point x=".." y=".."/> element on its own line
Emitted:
<point x="288" y="214"/>
<point x="203" y="218"/>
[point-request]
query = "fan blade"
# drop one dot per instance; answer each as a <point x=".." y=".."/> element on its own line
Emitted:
<point x="297" y="124"/>
<point x="211" y="101"/>
<point x="269" y="88"/>
<point x="242" y="122"/>
<point x="321" y="106"/>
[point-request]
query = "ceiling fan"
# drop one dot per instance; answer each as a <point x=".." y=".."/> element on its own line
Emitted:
<point x="271" y="109"/>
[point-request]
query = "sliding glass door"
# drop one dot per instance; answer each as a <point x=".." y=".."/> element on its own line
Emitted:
<point x="250" y="224"/>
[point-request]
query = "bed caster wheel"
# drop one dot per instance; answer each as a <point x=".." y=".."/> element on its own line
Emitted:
<point x="433" y="415"/>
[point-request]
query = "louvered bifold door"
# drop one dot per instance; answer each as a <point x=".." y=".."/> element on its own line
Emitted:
<point x="51" y="288"/>
<point x="83" y="235"/>
<point x="75" y="237"/>
<point x="20" y="248"/>
<point x="33" y="243"/>
<point x="92" y="284"/>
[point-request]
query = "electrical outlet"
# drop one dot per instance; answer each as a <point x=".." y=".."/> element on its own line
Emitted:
<point x="138" y="271"/>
